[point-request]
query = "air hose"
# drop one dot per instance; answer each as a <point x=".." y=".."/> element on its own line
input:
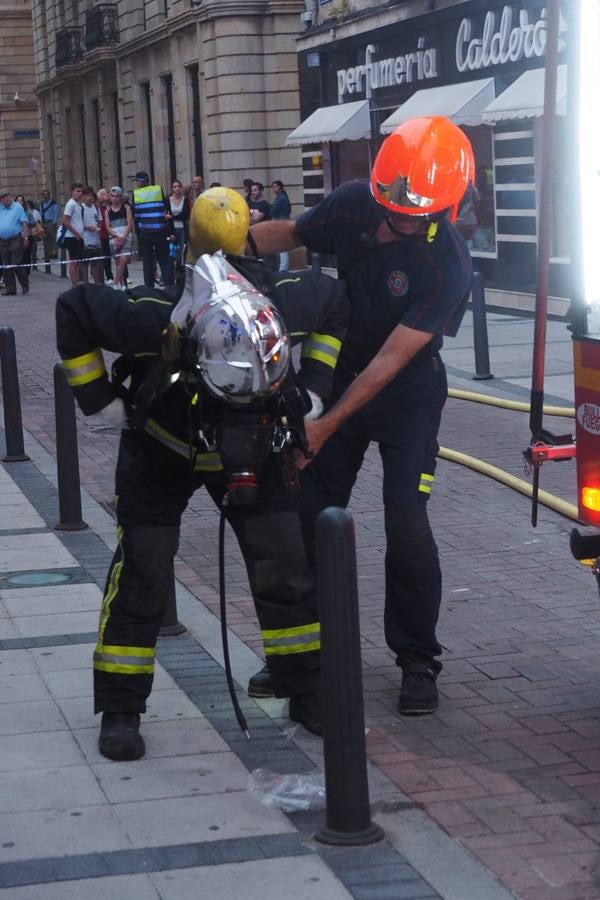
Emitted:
<point x="223" y="607"/>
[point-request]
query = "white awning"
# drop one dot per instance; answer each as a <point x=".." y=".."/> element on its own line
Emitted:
<point x="463" y="103"/>
<point x="524" y="99"/>
<point x="344" y="122"/>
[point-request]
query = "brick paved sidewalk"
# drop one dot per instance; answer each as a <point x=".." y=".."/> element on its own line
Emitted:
<point x="509" y="766"/>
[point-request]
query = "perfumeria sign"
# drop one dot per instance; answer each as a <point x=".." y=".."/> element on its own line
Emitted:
<point x="418" y="65"/>
<point x="510" y="42"/>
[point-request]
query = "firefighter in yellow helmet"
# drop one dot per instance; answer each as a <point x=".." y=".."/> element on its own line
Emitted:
<point x="210" y="378"/>
<point x="219" y="220"/>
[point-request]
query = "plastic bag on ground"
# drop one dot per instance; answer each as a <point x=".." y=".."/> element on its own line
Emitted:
<point x="289" y="792"/>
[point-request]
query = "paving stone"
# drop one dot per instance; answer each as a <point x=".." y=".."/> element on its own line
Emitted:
<point x="520" y="624"/>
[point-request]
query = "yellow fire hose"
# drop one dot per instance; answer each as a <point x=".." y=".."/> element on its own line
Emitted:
<point x="569" y="510"/>
<point x="519" y="484"/>
<point x="566" y="411"/>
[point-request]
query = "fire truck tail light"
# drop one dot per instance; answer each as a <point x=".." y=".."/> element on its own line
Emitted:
<point x="590" y="498"/>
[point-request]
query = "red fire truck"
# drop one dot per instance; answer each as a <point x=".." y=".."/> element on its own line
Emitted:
<point x="583" y="123"/>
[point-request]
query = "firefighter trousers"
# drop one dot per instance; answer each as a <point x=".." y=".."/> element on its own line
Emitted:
<point x="154" y="485"/>
<point x="403" y="419"/>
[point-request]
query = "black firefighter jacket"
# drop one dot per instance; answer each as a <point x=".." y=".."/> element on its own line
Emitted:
<point x="92" y="318"/>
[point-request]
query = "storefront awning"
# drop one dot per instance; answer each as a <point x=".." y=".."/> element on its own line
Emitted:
<point x="524" y="99"/>
<point x="463" y="103"/>
<point x="345" y="122"/>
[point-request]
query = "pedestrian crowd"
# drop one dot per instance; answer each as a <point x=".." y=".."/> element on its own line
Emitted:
<point x="97" y="230"/>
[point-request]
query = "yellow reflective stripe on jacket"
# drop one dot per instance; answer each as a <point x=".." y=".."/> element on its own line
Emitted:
<point x="300" y="639"/>
<point x="84" y="369"/>
<point x="426" y="483"/>
<point x="323" y="347"/>
<point x="205" y="462"/>
<point x="124" y="660"/>
<point x="149" y="300"/>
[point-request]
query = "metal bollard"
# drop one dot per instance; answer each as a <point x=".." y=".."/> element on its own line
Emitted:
<point x="480" y="336"/>
<point x="11" y="398"/>
<point x="315" y="262"/>
<point x="63" y="267"/>
<point x="171" y="626"/>
<point x="67" y="459"/>
<point x="346" y="785"/>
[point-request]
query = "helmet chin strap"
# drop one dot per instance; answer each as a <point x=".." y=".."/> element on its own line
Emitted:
<point x="400" y="234"/>
<point x="431" y="231"/>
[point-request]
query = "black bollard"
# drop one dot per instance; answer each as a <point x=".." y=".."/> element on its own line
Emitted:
<point x="63" y="264"/>
<point x="67" y="458"/>
<point x="315" y="262"/>
<point x="480" y="335"/>
<point x="346" y="785"/>
<point x="11" y="398"/>
<point x="171" y="626"/>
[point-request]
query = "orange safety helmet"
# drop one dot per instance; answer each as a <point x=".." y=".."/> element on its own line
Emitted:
<point x="423" y="168"/>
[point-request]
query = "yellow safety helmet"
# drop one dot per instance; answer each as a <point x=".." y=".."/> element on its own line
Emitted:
<point x="219" y="220"/>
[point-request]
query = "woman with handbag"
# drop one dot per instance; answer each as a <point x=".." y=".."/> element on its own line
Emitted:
<point x="36" y="229"/>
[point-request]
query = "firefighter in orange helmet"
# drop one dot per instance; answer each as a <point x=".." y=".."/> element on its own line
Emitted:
<point x="408" y="275"/>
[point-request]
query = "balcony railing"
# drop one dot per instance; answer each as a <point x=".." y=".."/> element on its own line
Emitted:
<point x="101" y="26"/>
<point x="68" y="46"/>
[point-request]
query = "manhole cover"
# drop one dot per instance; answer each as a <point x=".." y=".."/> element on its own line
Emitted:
<point x="34" y="579"/>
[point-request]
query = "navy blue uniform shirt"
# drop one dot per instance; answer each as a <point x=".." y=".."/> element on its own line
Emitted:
<point x="422" y="285"/>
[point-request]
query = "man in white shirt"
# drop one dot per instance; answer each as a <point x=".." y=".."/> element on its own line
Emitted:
<point x="73" y="221"/>
<point x="91" y="236"/>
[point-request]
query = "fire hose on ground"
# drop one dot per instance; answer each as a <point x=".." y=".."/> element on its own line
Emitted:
<point x="569" y="510"/>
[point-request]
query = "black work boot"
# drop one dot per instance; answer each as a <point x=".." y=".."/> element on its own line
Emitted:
<point x="260" y="685"/>
<point x="120" y="736"/>
<point x="418" y="692"/>
<point x="306" y="709"/>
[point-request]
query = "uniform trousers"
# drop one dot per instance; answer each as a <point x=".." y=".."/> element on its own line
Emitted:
<point x="404" y="420"/>
<point x="155" y="249"/>
<point x="11" y="254"/>
<point x="154" y="485"/>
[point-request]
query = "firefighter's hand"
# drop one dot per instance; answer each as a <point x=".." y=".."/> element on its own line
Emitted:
<point x="114" y="414"/>
<point x="317" y="432"/>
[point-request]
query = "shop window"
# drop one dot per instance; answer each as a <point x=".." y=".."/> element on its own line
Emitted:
<point x="82" y="137"/>
<point x="49" y="146"/>
<point x="167" y="84"/>
<point x="477" y="218"/>
<point x="97" y="138"/>
<point x="117" y="136"/>
<point x="346" y="160"/>
<point x="146" y="92"/>
<point x="193" y="76"/>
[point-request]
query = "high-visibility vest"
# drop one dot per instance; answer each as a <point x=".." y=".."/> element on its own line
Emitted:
<point x="149" y="205"/>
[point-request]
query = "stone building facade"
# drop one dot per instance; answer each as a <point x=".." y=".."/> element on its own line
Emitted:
<point x="175" y="87"/>
<point x="20" y="152"/>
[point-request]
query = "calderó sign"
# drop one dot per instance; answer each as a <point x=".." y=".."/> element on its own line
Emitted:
<point x="415" y="66"/>
<point x="588" y="416"/>
<point x="515" y="38"/>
